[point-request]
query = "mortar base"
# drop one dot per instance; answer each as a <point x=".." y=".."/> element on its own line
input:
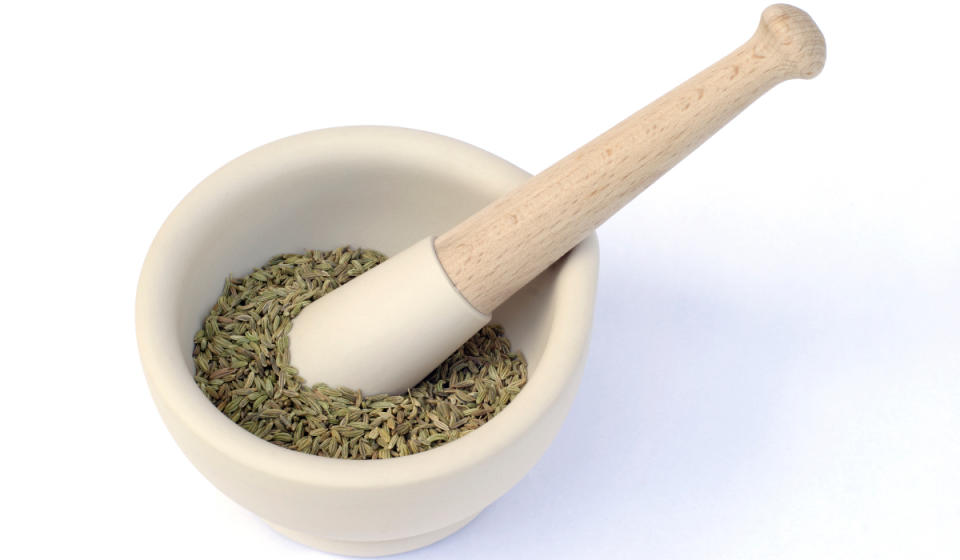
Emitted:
<point x="372" y="548"/>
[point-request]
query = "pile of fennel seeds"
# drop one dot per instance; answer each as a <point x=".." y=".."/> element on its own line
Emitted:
<point x="242" y="363"/>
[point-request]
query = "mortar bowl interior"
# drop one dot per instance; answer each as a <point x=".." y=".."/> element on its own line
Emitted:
<point x="382" y="188"/>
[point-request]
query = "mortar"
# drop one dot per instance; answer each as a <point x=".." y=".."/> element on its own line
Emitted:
<point x="386" y="189"/>
<point x="382" y="188"/>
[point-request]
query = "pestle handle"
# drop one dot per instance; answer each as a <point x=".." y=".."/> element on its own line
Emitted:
<point x="501" y="248"/>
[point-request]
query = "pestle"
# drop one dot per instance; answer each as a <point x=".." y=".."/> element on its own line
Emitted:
<point x="387" y="329"/>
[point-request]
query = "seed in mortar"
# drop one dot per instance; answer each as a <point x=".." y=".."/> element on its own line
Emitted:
<point x="242" y="360"/>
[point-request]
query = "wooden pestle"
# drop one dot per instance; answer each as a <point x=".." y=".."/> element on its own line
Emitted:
<point x="495" y="252"/>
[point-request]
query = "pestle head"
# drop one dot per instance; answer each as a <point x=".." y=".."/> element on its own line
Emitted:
<point x="387" y="329"/>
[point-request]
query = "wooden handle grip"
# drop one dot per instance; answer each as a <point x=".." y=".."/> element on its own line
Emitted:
<point x="498" y="250"/>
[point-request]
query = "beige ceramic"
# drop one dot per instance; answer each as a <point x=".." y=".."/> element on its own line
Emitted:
<point x="377" y="187"/>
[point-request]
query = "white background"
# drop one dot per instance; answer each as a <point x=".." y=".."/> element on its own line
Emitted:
<point x="775" y="368"/>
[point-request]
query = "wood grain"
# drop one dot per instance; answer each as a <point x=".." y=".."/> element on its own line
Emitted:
<point x="498" y="250"/>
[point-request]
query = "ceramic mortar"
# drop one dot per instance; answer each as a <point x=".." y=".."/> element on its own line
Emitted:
<point x="382" y="188"/>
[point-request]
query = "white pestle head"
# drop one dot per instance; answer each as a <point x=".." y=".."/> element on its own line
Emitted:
<point x="387" y="329"/>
